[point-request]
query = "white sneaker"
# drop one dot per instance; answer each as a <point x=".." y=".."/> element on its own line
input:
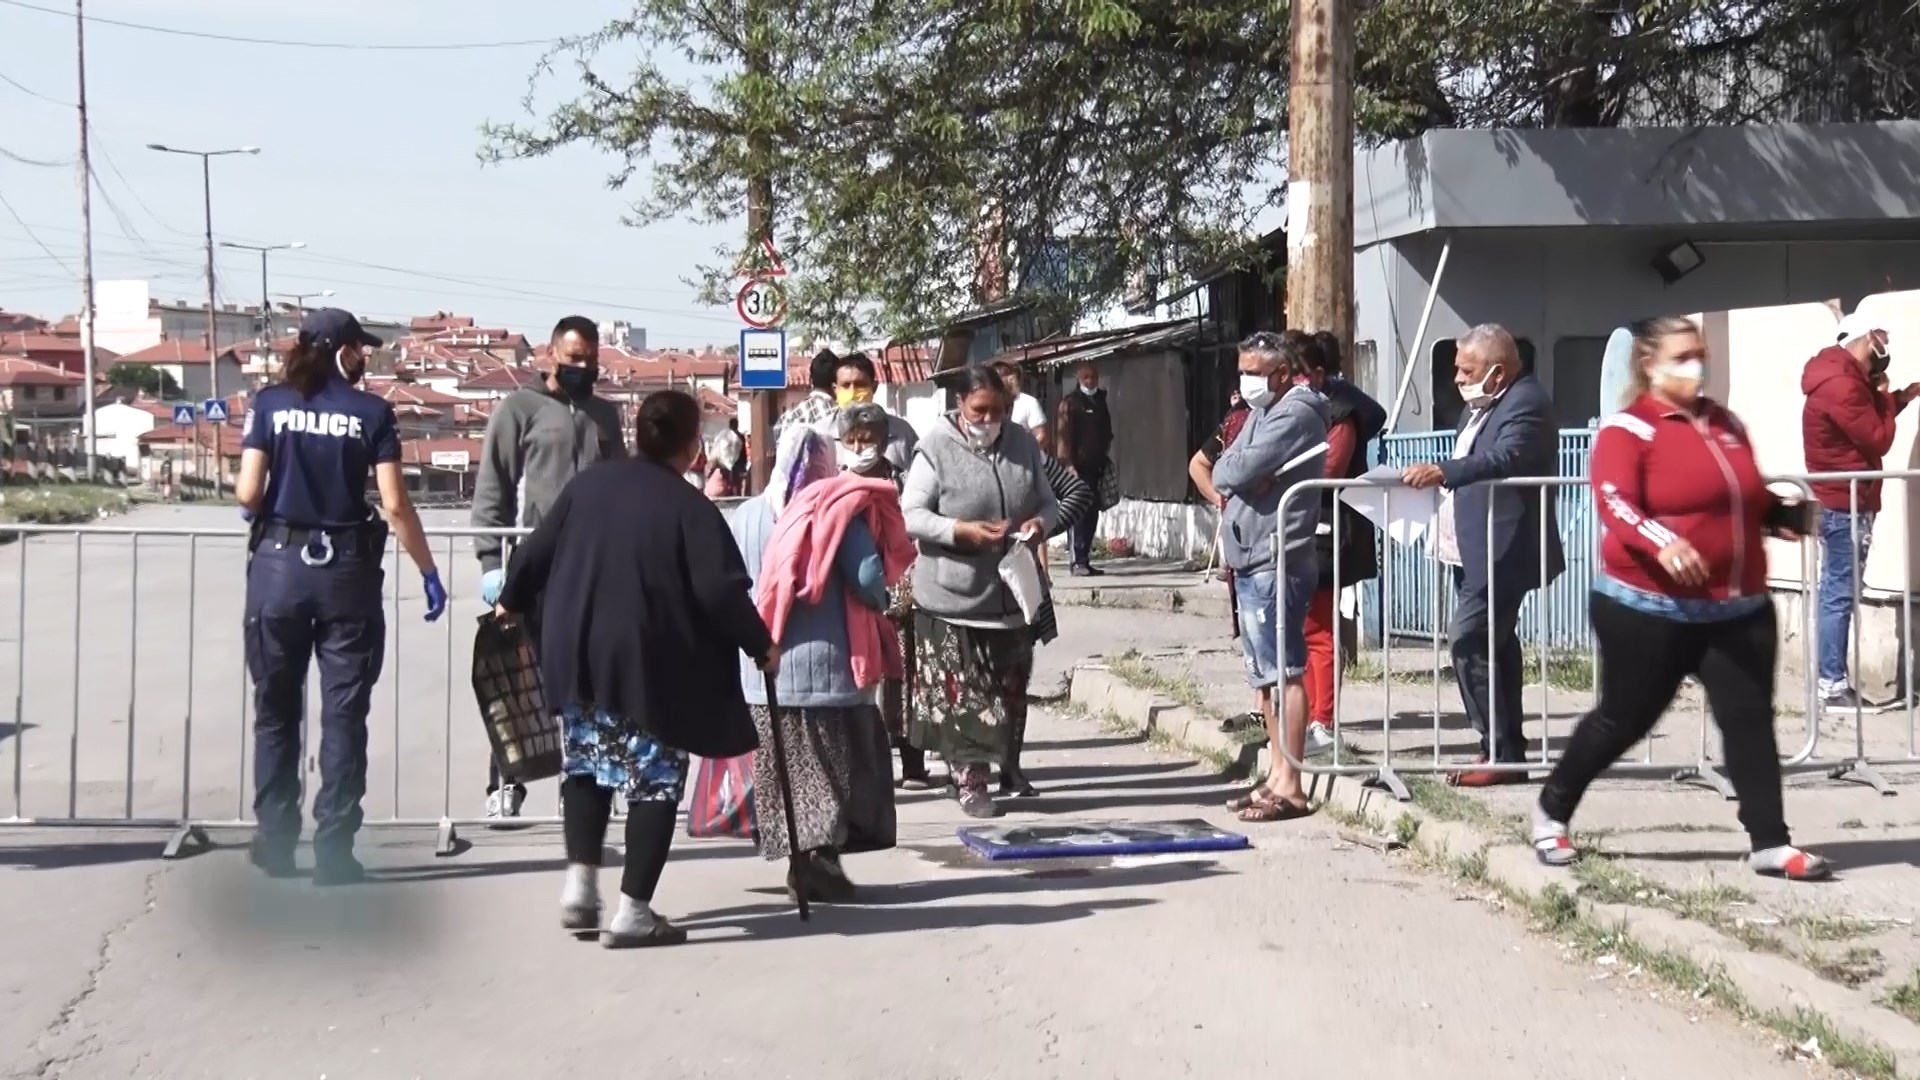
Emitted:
<point x="1319" y="739"/>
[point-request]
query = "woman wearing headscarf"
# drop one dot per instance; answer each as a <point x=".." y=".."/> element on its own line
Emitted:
<point x="863" y="448"/>
<point x="822" y="546"/>
<point x="643" y="614"/>
<point x="1682" y="592"/>
<point x="977" y="488"/>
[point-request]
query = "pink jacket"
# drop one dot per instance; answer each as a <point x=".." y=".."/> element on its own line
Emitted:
<point x="799" y="561"/>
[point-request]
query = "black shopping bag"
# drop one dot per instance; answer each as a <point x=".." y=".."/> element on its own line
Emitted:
<point x="524" y="732"/>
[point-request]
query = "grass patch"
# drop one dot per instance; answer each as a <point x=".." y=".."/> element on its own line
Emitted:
<point x="60" y="504"/>
<point x="1833" y="927"/>
<point x="1904" y="998"/>
<point x="1369" y="668"/>
<point x="1451" y="804"/>
<point x="1856" y="965"/>
<point x="1159" y="740"/>
<point x="1134" y="669"/>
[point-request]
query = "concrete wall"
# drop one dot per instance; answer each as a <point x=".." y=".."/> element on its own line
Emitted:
<point x="1555" y="284"/>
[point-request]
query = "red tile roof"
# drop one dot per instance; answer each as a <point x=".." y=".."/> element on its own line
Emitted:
<point x="15" y="371"/>
<point x="502" y="379"/>
<point x="716" y="405"/>
<point x="229" y="435"/>
<point x="404" y="392"/>
<point x="439" y="320"/>
<point x="17" y="322"/>
<point x="176" y="351"/>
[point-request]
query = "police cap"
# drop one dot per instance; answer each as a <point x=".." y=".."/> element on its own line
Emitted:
<point x="334" y="327"/>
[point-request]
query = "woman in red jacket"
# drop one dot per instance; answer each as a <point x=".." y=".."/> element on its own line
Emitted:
<point x="1682" y="591"/>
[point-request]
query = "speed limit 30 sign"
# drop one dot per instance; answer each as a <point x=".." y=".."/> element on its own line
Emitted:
<point x="762" y="303"/>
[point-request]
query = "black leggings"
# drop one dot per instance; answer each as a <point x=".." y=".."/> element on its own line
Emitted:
<point x="1643" y="657"/>
<point x="586" y="807"/>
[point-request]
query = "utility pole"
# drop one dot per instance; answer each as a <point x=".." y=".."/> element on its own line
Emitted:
<point x="90" y="437"/>
<point x="1320" y="166"/>
<point x="763" y="405"/>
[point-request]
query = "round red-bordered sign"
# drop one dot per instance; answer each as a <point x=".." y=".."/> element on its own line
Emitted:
<point x="761" y="303"/>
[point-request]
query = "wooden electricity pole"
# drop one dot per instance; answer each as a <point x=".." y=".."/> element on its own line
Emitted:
<point x="763" y="405"/>
<point x="91" y="438"/>
<point x="1320" y="165"/>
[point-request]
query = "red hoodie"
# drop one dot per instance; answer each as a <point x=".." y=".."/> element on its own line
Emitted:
<point x="1846" y="426"/>
<point x="1659" y="473"/>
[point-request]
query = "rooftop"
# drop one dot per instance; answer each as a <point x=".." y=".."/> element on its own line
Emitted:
<point x="176" y="351"/>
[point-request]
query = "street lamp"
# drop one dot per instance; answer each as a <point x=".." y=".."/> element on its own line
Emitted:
<point x="266" y="311"/>
<point x="206" y="188"/>
<point x="300" y="298"/>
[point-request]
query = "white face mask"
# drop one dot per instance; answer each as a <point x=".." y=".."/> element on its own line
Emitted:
<point x="1686" y="371"/>
<point x="861" y="461"/>
<point x="1255" y="391"/>
<point x="981" y="436"/>
<point x="1476" y="394"/>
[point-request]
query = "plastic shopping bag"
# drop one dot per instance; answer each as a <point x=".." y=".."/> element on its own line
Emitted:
<point x="722" y="803"/>
<point x="1022" y="576"/>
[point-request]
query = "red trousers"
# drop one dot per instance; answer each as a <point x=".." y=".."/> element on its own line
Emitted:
<point x="1321" y="629"/>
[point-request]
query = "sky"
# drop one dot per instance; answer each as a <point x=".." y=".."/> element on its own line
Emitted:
<point x="368" y="157"/>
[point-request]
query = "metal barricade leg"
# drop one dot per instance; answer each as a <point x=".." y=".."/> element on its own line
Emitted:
<point x="1860" y="769"/>
<point x="446" y="840"/>
<point x="1384" y="777"/>
<point x="188" y="833"/>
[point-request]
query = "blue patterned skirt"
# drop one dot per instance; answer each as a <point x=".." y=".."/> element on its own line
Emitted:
<point x="617" y="755"/>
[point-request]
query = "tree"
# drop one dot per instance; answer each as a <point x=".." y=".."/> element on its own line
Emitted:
<point x="909" y="139"/>
<point x="150" y="380"/>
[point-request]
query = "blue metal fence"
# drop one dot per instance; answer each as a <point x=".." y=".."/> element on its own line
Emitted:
<point x="1556" y="618"/>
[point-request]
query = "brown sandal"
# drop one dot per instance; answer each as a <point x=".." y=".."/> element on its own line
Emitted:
<point x="1267" y="807"/>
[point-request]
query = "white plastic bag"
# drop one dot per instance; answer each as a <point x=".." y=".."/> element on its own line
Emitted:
<point x="1022" y="575"/>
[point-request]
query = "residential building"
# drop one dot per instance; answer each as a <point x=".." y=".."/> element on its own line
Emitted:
<point x="64" y="353"/>
<point x="187" y="363"/>
<point x="119" y="425"/>
<point x="40" y="395"/>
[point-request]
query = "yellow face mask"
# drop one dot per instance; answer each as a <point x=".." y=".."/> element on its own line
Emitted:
<point x="849" y="395"/>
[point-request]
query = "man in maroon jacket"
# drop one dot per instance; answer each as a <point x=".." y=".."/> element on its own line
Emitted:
<point x="1847" y="426"/>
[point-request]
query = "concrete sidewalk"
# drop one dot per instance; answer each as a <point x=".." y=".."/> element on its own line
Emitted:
<point x="1674" y="847"/>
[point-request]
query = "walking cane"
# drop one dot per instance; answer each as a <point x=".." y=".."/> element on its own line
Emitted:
<point x="796" y="860"/>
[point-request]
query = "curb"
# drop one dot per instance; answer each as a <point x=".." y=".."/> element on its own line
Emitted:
<point x="1171" y="599"/>
<point x="1768" y="983"/>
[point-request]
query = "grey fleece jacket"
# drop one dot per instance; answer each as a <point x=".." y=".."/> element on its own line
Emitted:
<point x="1248" y="473"/>
<point x="536" y="442"/>
<point x="951" y="482"/>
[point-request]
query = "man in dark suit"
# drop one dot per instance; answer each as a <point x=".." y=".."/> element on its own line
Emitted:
<point x="1506" y="431"/>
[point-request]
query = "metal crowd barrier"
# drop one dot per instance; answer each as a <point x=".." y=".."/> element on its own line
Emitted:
<point x="1385" y="767"/>
<point x="155" y="655"/>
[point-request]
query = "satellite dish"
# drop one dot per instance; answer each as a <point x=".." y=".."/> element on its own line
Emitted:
<point x="1616" y="370"/>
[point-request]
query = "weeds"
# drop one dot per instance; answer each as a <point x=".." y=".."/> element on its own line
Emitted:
<point x="1833" y="927"/>
<point x="1858" y="964"/>
<point x="60" y="504"/>
<point x="1134" y="669"/>
<point x="1904" y="998"/>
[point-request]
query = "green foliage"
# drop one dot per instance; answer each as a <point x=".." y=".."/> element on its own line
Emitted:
<point x="146" y="378"/>
<point x="902" y="138"/>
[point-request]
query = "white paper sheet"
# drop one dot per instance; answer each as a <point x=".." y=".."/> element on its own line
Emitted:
<point x="1407" y="517"/>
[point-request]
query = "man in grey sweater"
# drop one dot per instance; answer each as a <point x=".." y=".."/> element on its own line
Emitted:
<point x="1275" y="451"/>
<point x="537" y="440"/>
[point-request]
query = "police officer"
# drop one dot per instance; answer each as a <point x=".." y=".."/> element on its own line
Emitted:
<point x="314" y="580"/>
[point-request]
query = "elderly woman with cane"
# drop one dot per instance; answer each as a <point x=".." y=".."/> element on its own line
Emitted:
<point x="822" y="546"/>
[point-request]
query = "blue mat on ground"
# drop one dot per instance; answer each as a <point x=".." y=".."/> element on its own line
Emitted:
<point x="1088" y="839"/>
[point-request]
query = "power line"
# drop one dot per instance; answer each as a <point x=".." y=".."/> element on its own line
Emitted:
<point x="15" y="214"/>
<point x="5" y="78"/>
<point x="36" y="162"/>
<point x="355" y="46"/>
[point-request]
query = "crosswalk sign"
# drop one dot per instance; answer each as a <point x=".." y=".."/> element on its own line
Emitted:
<point x="215" y="410"/>
<point x="183" y="415"/>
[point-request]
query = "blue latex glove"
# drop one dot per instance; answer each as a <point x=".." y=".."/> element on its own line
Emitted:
<point x="436" y="594"/>
<point x="246" y="515"/>
<point x="491" y="583"/>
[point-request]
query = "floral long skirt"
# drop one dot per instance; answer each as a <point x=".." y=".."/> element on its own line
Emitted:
<point x="970" y="691"/>
<point x="842" y="772"/>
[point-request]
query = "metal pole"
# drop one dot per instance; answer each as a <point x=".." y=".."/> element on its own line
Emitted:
<point x="90" y="435"/>
<point x="266" y="319"/>
<point x="1320" y="160"/>
<point x="763" y="407"/>
<point x="1412" y="359"/>
<point x="213" y="325"/>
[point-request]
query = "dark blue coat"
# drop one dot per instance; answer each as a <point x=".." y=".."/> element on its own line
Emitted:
<point x="1519" y="439"/>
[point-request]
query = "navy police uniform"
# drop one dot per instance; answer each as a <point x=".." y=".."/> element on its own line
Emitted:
<point x="314" y="591"/>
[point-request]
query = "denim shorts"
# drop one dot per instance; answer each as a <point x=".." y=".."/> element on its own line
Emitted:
<point x="1260" y="637"/>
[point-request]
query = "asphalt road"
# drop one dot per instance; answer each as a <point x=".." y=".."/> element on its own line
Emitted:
<point x="1303" y="955"/>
